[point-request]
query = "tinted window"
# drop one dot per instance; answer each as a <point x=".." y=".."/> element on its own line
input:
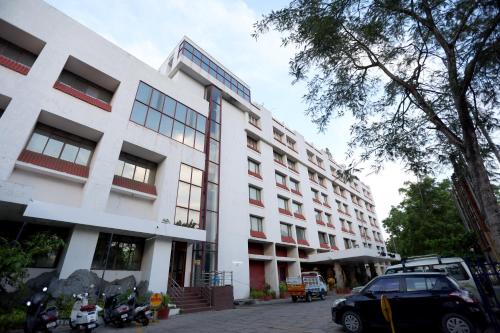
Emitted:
<point x="455" y="270"/>
<point x="416" y="283"/>
<point x="385" y="285"/>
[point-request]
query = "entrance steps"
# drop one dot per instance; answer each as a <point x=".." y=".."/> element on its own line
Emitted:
<point x="190" y="300"/>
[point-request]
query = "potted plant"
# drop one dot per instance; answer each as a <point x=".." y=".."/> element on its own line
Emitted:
<point x="283" y="290"/>
<point x="164" y="310"/>
<point x="267" y="292"/>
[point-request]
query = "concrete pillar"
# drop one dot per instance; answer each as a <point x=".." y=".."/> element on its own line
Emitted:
<point x="378" y="269"/>
<point x="80" y="251"/>
<point x="189" y="265"/>
<point x="156" y="263"/>
<point x="339" y="276"/>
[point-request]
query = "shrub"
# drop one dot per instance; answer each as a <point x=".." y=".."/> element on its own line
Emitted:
<point x="14" y="319"/>
<point x="256" y="294"/>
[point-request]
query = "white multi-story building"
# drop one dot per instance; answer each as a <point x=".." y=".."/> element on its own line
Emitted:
<point x="112" y="155"/>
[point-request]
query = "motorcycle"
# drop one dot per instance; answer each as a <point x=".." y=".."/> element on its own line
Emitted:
<point x="142" y="312"/>
<point x="115" y="312"/>
<point x="39" y="317"/>
<point x="84" y="315"/>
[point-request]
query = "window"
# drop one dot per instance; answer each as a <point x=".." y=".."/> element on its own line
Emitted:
<point x="315" y="194"/>
<point x="135" y="168"/>
<point x="322" y="237"/>
<point x="61" y="145"/>
<point x="162" y="114"/>
<point x="280" y="179"/>
<point x="253" y="167"/>
<point x="292" y="165"/>
<point x="319" y="161"/>
<point x="339" y="205"/>
<point x="290" y="143"/>
<point x="88" y="88"/>
<point x="189" y="196"/>
<point x="294" y="185"/>
<point x="345" y="209"/>
<point x="286" y="230"/>
<point x="16" y="53"/>
<point x="214" y="70"/>
<point x="301" y="233"/>
<point x="125" y="252"/>
<point x="321" y="181"/>
<point x="349" y="226"/>
<point x="252" y="143"/>
<point x="318" y="215"/>
<point x="278" y="157"/>
<point x="385" y="285"/>
<point x="332" y="240"/>
<point x="347" y="243"/>
<point x="312" y="176"/>
<point x="310" y="156"/>
<point x="296" y="207"/>
<point x="256" y="223"/>
<point x="254" y="193"/>
<point x="278" y="135"/>
<point x="283" y="203"/>
<point x="254" y="120"/>
<point x="328" y="218"/>
<point x="325" y="198"/>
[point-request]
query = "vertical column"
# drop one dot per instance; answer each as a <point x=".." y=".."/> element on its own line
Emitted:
<point x="80" y="251"/>
<point x="210" y="209"/>
<point x="156" y="263"/>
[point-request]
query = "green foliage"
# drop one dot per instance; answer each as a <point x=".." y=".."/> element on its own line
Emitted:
<point x="64" y="304"/>
<point x="283" y="287"/>
<point x="165" y="300"/>
<point x="12" y="319"/>
<point x="427" y="222"/>
<point x="15" y="256"/>
<point x="257" y="294"/>
<point x="191" y="224"/>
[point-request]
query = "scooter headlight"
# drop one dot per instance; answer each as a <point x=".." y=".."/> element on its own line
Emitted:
<point x="28" y="303"/>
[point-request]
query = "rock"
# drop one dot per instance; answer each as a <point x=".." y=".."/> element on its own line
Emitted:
<point x="43" y="280"/>
<point x="78" y="282"/>
<point x="120" y="286"/>
<point x="142" y="287"/>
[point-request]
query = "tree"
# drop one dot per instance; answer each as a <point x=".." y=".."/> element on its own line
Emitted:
<point x="420" y="78"/>
<point x="427" y="221"/>
<point x="15" y="257"/>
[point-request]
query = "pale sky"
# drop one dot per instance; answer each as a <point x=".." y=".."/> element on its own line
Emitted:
<point x="150" y="29"/>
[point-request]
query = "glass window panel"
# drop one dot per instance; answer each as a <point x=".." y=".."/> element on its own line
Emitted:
<point x="153" y="119"/>
<point x="169" y="106"/>
<point x="139" y="113"/>
<point x="157" y="100"/>
<point x="180" y="112"/>
<point x="195" y="198"/>
<point x="254" y="193"/>
<point x="37" y="142"/>
<point x="200" y="125"/>
<point x="189" y="136"/>
<point x="140" y="173"/>
<point x="211" y="226"/>
<point x="143" y="93"/>
<point x="183" y="194"/>
<point x="128" y="171"/>
<point x="166" y="125"/>
<point x="197" y="177"/>
<point x="194" y="216"/>
<point x="178" y="131"/>
<point x="69" y="153"/>
<point x="215" y="130"/>
<point x="213" y="172"/>
<point x="200" y="141"/>
<point x="215" y="112"/>
<point x="83" y="156"/>
<point x="119" y="168"/>
<point x="181" y="215"/>
<point x="214" y="151"/>
<point x="212" y="197"/>
<point x="204" y="66"/>
<point x="191" y="118"/>
<point x="185" y="174"/>
<point x="53" y="148"/>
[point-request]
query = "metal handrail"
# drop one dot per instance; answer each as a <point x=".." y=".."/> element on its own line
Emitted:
<point x="215" y="279"/>
<point x="175" y="289"/>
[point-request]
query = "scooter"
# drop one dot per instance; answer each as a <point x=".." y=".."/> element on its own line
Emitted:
<point x="39" y="317"/>
<point x="115" y="312"/>
<point x="84" y="315"/>
<point x="142" y="312"/>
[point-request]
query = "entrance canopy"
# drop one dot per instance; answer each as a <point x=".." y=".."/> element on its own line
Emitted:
<point x="354" y="255"/>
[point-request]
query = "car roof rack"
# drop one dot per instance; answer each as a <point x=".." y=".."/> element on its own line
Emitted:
<point x="414" y="258"/>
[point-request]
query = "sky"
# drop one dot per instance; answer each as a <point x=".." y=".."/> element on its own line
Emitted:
<point x="150" y="29"/>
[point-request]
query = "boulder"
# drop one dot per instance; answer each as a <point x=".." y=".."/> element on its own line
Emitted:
<point x="78" y="282"/>
<point x="36" y="284"/>
<point x="120" y="286"/>
<point x="142" y="287"/>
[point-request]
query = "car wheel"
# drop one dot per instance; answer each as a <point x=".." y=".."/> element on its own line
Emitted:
<point x="455" y="323"/>
<point x="294" y="299"/>
<point x="309" y="298"/>
<point x="322" y="296"/>
<point x="352" y="322"/>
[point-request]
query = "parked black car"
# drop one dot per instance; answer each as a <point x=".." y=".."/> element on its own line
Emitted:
<point x="433" y="300"/>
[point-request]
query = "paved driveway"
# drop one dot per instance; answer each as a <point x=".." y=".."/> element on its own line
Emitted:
<point x="283" y="318"/>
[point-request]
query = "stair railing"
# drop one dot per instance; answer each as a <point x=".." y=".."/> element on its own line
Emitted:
<point x="175" y="289"/>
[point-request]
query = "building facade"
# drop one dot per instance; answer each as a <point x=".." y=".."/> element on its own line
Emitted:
<point x="165" y="173"/>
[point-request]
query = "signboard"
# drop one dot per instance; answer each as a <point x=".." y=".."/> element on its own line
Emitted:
<point x="155" y="300"/>
<point x="386" y="311"/>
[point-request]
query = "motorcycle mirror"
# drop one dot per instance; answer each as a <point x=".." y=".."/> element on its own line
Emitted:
<point x="28" y="303"/>
<point x="86" y="294"/>
<point x="74" y="295"/>
<point x="135" y="288"/>
<point x="44" y="289"/>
